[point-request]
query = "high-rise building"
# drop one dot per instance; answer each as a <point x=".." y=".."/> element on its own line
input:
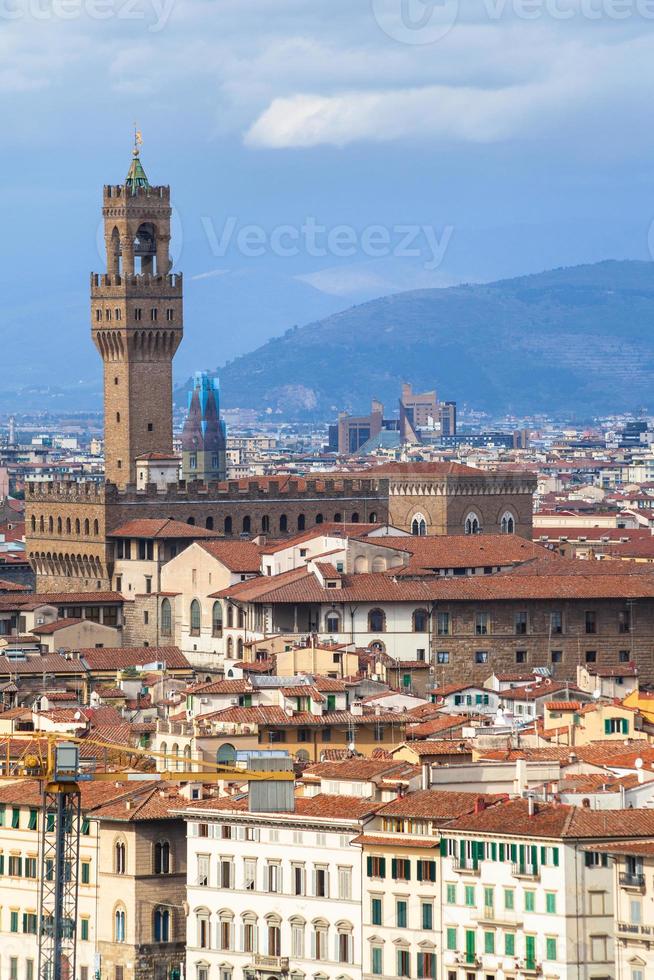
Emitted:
<point x="204" y="435"/>
<point x="136" y="315"/>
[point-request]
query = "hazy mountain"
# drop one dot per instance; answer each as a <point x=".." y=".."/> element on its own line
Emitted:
<point x="577" y="339"/>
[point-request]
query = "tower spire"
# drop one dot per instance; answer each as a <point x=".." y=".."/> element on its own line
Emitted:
<point x="136" y="176"/>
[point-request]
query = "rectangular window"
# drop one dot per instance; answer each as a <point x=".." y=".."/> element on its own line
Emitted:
<point x="30" y="867"/>
<point x="556" y="622"/>
<point x="376" y="866"/>
<point x="376" y="961"/>
<point x="550" y="903"/>
<point x="299" y="879"/>
<point x="250" y="874"/>
<point x="84" y="923"/>
<point x="443" y="624"/>
<point x="13" y="921"/>
<point x="530" y="901"/>
<point x="32" y="823"/>
<point x="376" y="911"/>
<point x="13" y="968"/>
<point x="320" y="882"/>
<point x="427" y="916"/>
<point x="401" y="914"/>
<point x="345" y="883"/>
<point x="86" y="872"/>
<point x="226" y="870"/>
<point x="591" y="621"/>
<point x="273" y="877"/>
<point x="521" y="623"/>
<point x="481" y="656"/>
<point x="203" y="870"/>
<point x="489" y="942"/>
<point x="15" y="817"/>
<point x="469" y="899"/>
<point x="451" y="937"/>
<point x="15" y="866"/>
<point x="481" y="624"/>
<point x="401" y="869"/>
<point x="509" y="944"/>
<point x="442" y="657"/>
<point x="403" y="963"/>
<point x="450" y="894"/>
<point x="509" y="899"/>
<point x="427" y="966"/>
<point x="426" y="870"/>
<point x="489" y="898"/>
<point x="550" y="948"/>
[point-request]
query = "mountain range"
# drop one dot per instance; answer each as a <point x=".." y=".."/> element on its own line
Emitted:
<point x="575" y="339"/>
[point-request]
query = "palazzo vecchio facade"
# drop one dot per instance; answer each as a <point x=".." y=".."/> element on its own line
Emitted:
<point x="136" y="326"/>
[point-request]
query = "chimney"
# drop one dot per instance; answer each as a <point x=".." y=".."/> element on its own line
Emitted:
<point x="480" y="804"/>
<point x="531" y="805"/>
<point x="426" y="775"/>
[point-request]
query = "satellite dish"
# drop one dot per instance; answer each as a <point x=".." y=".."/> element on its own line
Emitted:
<point x="351" y="746"/>
<point x="639" y="763"/>
<point x="77" y="716"/>
<point x="597" y="694"/>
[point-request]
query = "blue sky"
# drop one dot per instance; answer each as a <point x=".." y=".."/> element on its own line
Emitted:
<point x="432" y="142"/>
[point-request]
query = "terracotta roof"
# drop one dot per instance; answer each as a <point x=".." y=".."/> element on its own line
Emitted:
<point x="642" y="848"/>
<point x="160" y="529"/>
<point x="327" y="530"/>
<point x="543" y="689"/>
<point x="620" y="670"/>
<point x="58" y="624"/>
<point x="221" y="687"/>
<point x="439" y="746"/>
<point x="155" y="801"/>
<point x="435" y="804"/>
<point x="238" y="556"/>
<point x="7" y="586"/>
<point x="563" y="705"/>
<point x="117" y="658"/>
<point x="50" y="663"/>
<point x="433" y="726"/>
<point x="276" y="716"/>
<point x="303" y="691"/>
<point x="462" y="551"/>
<point x="356" y="768"/>
<point x="558" y="820"/>
<point x="376" y="840"/>
<point x="322" y="806"/>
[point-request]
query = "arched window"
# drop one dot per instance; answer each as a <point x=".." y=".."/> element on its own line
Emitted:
<point x="373" y="517"/>
<point x="332" y="622"/>
<point x="319" y="940"/>
<point x="77" y="525"/>
<point x="249" y="931"/>
<point x="162" y="857"/>
<point x="227" y="525"/>
<point x="87" y="527"/>
<point x="507" y="524"/>
<point x="345" y="942"/>
<point x="195" y="618"/>
<point x="319" y="518"/>
<point x="241" y="617"/>
<point x="420" y="621"/>
<point x="50" y="524"/>
<point x="338" y="517"/>
<point x="119" y="925"/>
<point x="297" y="934"/>
<point x="283" y="523"/>
<point x="42" y="523"/>
<point x="191" y="521"/>
<point x="120" y="857"/>
<point x="59" y="525"/>
<point x="217" y="619"/>
<point x="204" y="928"/>
<point x="355" y="517"/>
<point x="68" y="525"/>
<point x="226" y="929"/>
<point x="33" y="522"/>
<point x="226" y="755"/>
<point x="274" y="935"/>
<point x="161" y="925"/>
<point x="379" y="564"/>
<point x="96" y="527"/>
<point x="247" y="524"/>
<point x="376" y="621"/>
<point x="230" y="648"/>
<point x="174" y="751"/>
<point x="419" y="526"/>
<point x="471" y="525"/>
<point x="166" y="618"/>
<point x="209" y="523"/>
<point x="239" y="649"/>
<point x="301" y="522"/>
<point x="230" y="617"/>
<point x="265" y="524"/>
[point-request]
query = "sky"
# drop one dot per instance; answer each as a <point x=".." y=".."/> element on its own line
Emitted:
<point x="320" y="153"/>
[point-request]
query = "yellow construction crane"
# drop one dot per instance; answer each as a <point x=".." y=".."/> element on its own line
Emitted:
<point x="53" y="759"/>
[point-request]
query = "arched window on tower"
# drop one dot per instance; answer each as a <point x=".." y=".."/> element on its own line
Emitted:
<point x="195" y="618"/>
<point x="419" y="526"/>
<point x="283" y="524"/>
<point x="507" y="524"/>
<point x="166" y="618"/>
<point x="471" y="524"/>
<point x="227" y="525"/>
<point x="301" y="522"/>
<point x="247" y="525"/>
<point x="209" y="523"/>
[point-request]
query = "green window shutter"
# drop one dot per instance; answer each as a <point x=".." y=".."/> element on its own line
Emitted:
<point x="521" y="852"/>
<point x="530" y="951"/>
<point x="419" y="871"/>
<point x="15" y="818"/>
<point x="514" y="853"/>
<point x="462" y="851"/>
<point x="543" y="855"/>
<point x="451" y="938"/>
<point x="493" y="851"/>
<point x="32" y="823"/>
<point x="550" y="903"/>
<point x="407" y="869"/>
<point x="2" y="814"/>
<point x="625" y="726"/>
<point x="13" y="922"/>
<point x="555" y="857"/>
<point x="24" y="921"/>
<point x="509" y="944"/>
<point x="489" y="942"/>
<point x="607" y="726"/>
<point x="2" y="864"/>
<point x="86" y="826"/>
<point x="50" y="823"/>
<point x="369" y="866"/>
<point x="550" y="949"/>
<point x="502" y="857"/>
<point x="432" y="871"/>
<point x="421" y="962"/>
<point x="471" y="944"/>
<point x="394" y="868"/>
<point x="85" y="929"/>
<point x="534" y="855"/>
<point x="382" y="867"/>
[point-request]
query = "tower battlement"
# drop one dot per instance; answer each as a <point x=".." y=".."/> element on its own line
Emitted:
<point x="113" y="193"/>
<point x="109" y="285"/>
<point x="65" y="491"/>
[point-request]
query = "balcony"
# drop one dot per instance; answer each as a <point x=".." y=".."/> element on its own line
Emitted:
<point x="274" y="964"/>
<point x="465" y="866"/>
<point x="530" y="871"/>
<point x="632" y="879"/>
<point x="500" y="917"/>
<point x="529" y="968"/>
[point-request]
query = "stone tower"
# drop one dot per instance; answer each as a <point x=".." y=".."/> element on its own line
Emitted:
<point x="136" y="318"/>
<point x="203" y="437"/>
